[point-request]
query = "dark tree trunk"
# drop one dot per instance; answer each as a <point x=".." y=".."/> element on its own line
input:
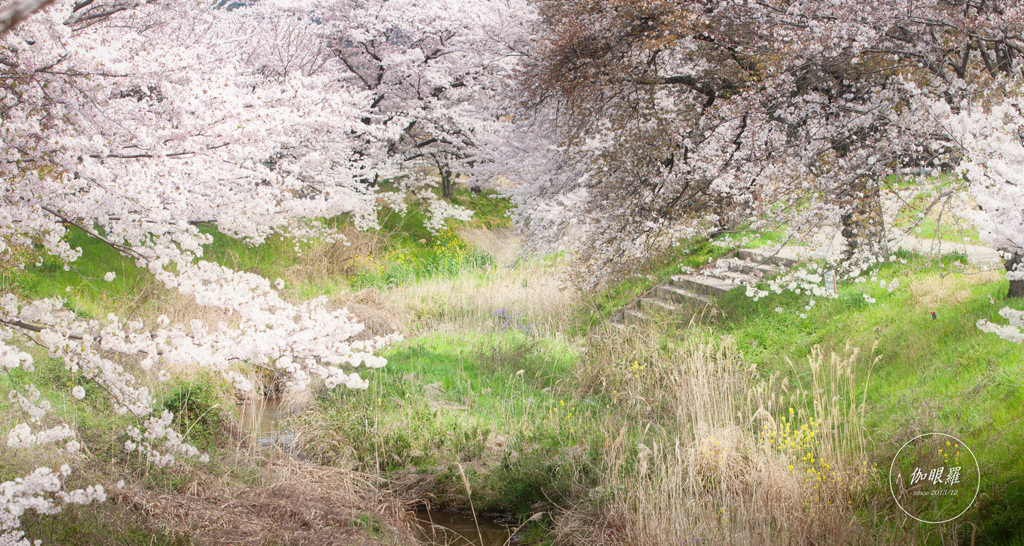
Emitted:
<point x="863" y="226"/>
<point x="1014" y="261"/>
<point x="447" y="179"/>
<point x="447" y="184"/>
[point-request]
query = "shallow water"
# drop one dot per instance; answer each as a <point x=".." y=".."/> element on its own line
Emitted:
<point x="261" y="416"/>
<point x="459" y="529"/>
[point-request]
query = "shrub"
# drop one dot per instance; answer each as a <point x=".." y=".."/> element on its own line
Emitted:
<point x="199" y="411"/>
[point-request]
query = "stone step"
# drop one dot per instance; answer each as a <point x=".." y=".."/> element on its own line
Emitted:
<point x="634" y="316"/>
<point x="780" y="258"/>
<point x="676" y="294"/>
<point x="703" y="285"/>
<point x="737" y="277"/>
<point x="749" y="267"/>
<point x="657" y="305"/>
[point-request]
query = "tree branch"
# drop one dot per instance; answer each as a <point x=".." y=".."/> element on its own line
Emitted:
<point x="17" y="11"/>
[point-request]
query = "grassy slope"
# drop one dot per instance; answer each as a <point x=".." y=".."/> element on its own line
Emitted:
<point x="941" y="375"/>
<point x="939" y="223"/>
<point x="82" y="284"/>
<point x="934" y="375"/>
<point x="532" y="437"/>
<point x="448" y="399"/>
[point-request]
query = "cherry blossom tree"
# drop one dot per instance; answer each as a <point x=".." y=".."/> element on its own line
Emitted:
<point x="434" y="72"/>
<point x="109" y="128"/>
<point x="674" y="119"/>
<point x="14" y="12"/>
<point x="135" y="122"/>
<point x="992" y="141"/>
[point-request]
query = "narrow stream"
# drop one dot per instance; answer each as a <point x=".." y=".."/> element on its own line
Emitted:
<point x="260" y="417"/>
<point x="459" y="529"/>
<point x="437" y="528"/>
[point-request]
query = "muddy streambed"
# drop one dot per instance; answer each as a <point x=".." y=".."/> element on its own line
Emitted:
<point x="261" y="418"/>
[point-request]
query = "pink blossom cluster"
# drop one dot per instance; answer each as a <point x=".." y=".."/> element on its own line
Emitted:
<point x="1012" y="332"/>
<point x="40" y="492"/>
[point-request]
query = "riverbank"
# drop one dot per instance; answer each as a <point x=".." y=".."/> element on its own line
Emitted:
<point x="751" y="422"/>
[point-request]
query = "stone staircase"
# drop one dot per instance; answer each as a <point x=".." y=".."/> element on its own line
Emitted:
<point x="682" y="296"/>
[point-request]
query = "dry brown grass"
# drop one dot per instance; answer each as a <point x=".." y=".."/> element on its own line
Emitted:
<point x="153" y="299"/>
<point x="380" y="314"/>
<point x="468" y="302"/>
<point x="721" y="460"/>
<point x="336" y="260"/>
<point x="949" y="290"/>
<point x="465" y="302"/>
<point x="501" y="243"/>
<point x="298" y="503"/>
<point x="282" y="501"/>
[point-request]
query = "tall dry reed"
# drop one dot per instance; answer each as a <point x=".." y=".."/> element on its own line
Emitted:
<point x="718" y="455"/>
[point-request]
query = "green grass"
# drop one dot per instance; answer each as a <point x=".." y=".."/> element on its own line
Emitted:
<point x="202" y="410"/>
<point x="941" y="375"/>
<point x="270" y="259"/>
<point x="412" y="252"/>
<point x="102" y="434"/>
<point x="939" y="223"/>
<point x="490" y="209"/>
<point x="446" y="255"/>
<point x="372" y="525"/>
<point x="745" y="238"/>
<point x="948" y="227"/>
<point x="443" y="397"/>
<point x="83" y="284"/>
<point x="97" y="525"/>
